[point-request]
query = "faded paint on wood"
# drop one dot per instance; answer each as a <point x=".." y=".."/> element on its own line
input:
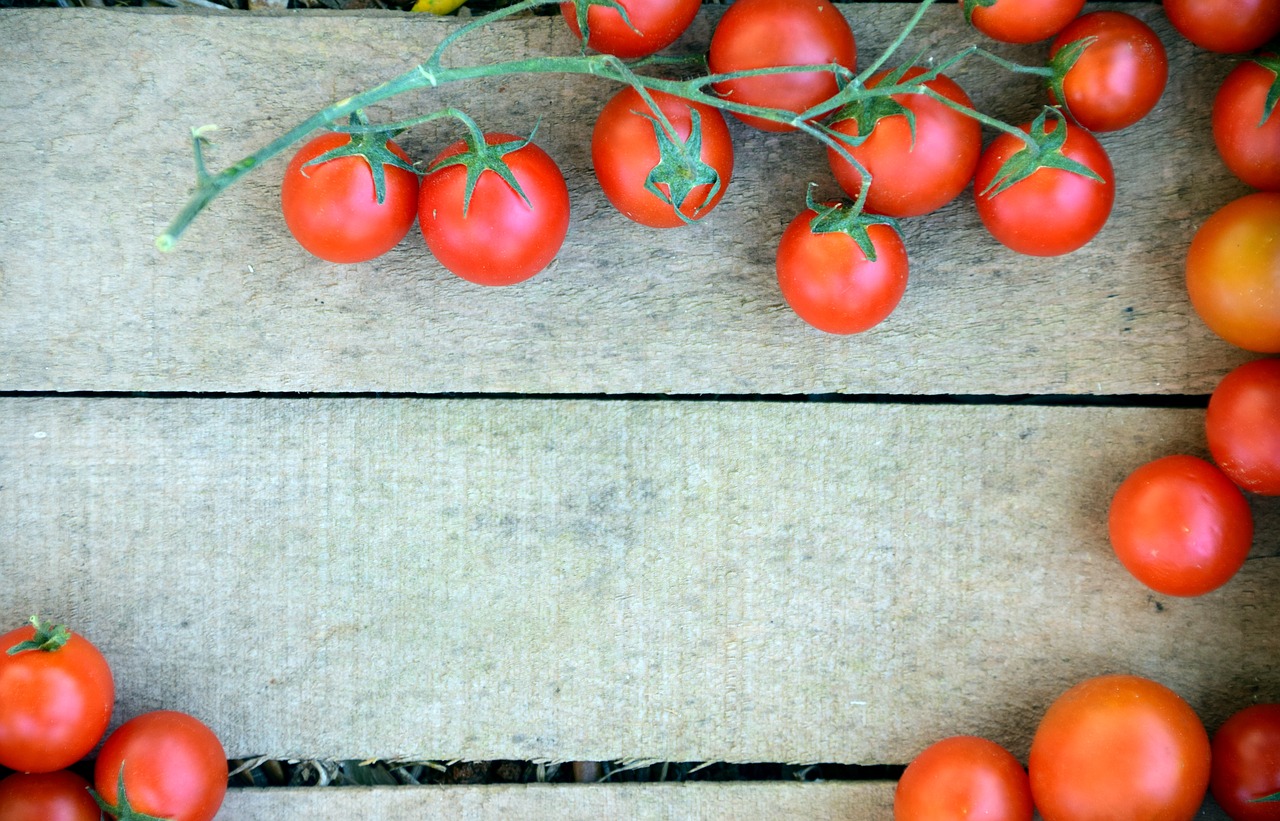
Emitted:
<point x="579" y="580"/>
<point x="102" y="162"/>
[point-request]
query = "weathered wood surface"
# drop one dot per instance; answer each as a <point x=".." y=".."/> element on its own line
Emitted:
<point x="101" y="163"/>
<point x="677" y="581"/>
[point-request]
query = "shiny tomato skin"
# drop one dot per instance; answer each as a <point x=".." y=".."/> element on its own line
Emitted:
<point x="1025" y="21"/>
<point x="828" y="281"/>
<point x="912" y="177"/>
<point x="771" y="33"/>
<point x="1180" y="526"/>
<point x="332" y="209"/>
<point x="1225" y="26"/>
<point x="624" y="149"/>
<point x="1119" y="748"/>
<point x="55" y="796"/>
<point x="1242" y="425"/>
<point x="54" y="705"/>
<point x="658" y="24"/>
<point x="1249" y="147"/>
<point x="1018" y="216"/>
<point x="1119" y="78"/>
<point x="501" y="240"/>
<point x="1233" y="272"/>
<point x="174" y="767"/>
<point x="963" y="778"/>
<point x="1246" y="763"/>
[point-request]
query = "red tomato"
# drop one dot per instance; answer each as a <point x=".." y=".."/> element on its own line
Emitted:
<point x="1119" y="77"/>
<point x="1233" y="272"/>
<point x="55" y="704"/>
<point x="55" y="796"/>
<point x="1180" y="526"/>
<point x="1246" y="763"/>
<point x="655" y="24"/>
<point x="174" y="767"/>
<point x="1243" y="426"/>
<point x="772" y="33"/>
<point x="624" y="149"/>
<point x="912" y="176"/>
<point x="1119" y="748"/>
<point x="961" y="779"/>
<point x="331" y="208"/>
<point x="829" y="282"/>
<point x="1248" y="146"/>
<point x="500" y="239"/>
<point x="1227" y="26"/>
<point x="1021" y="21"/>
<point x="1019" y="216"/>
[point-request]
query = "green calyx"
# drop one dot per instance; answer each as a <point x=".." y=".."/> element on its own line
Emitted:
<point x="1274" y="798"/>
<point x="122" y="811"/>
<point x="1043" y="149"/>
<point x="970" y="5"/>
<point x="839" y="218"/>
<point x="680" y="168"/>
<point x="48" y="638"/>
<point x="1060" y="63"/>
<point x="872" y="108"/>
<point x="373" y="148"/>
<point x="1270" y="62"/>
<point x="479" y="157"/>
<point x="581" y="7"/>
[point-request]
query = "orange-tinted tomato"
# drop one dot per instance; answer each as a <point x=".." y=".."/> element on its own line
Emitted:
<point x="963" y="778"/>
<point x="1233" y="272"/>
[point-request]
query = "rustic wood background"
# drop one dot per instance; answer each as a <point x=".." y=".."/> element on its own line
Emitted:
<point x="612" y="573"/>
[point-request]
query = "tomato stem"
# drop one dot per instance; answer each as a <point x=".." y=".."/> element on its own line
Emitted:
<point x="47" y="638"/>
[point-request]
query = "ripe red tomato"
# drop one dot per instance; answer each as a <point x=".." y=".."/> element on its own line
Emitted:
<point x="1021" y="21"/>
<point x="55" y="796"/>
<point x="960" y="779"/>
<point x="55" y="703"/>
<point x="1233" y="272"/>
<point x="772" y="33"/>
<point x="1118" y="78"/>
<point x="1119" y="748"/>
<point x="174" y="767"/>
<point x="655" y="24"/>
<point x="624" y="150"/>
<point x="1248" y="146"/>
<point x="331" y="208"/>
<point x="499" y="239"/>
<point x="1227" y="26"/>
<point x="1246" y="763"/>
<point x="912" y="176"/>
<point x="1019" y="216"/>
<point x="1243" y="426"/>
<point x="1180" y="526"/>
<point x="829" y="282"/>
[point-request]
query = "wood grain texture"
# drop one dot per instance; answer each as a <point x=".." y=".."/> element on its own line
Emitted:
<point x="102" y="163"/>
<point x="594" y="580"/>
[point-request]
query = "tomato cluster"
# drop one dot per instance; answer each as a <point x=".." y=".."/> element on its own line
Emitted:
<point x="56" y="699"/>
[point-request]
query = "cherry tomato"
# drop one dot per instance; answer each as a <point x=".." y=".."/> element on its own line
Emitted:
<point x="912" y="176"/>
<point x="624" y="150"/>
<point x="829" y="282"/>
<point x="55" y="703"/>
<point x="174" y="767"/>
<point x="1019" y="216"/>
<point x="1233" y="272"/>
<point x="1119" y="77"/>
<point x="1021" y="21"/>
<point x="1243" y="426"/>
<point x="1119" y="748"/>
<point x="331" y="207"/>
<point x="1246" y="763"/>
<point x="55" y="796"/>
<point x="772" y="33"/>
<point x="1249" y="147"/>
<point x="1227" y="26"/>
<point x="655" y="24"/>
<point x="499" y="239"/>
<point x="1180" y="526"/>
<point x="961" y="779"/>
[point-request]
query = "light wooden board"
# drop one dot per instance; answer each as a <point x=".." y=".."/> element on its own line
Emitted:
<point x="594" y="580"/>
<point x="101" y="163"/>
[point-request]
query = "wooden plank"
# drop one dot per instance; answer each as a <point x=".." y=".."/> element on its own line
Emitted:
<point x="677" y="581"/>
<point x="101" y="164"/>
